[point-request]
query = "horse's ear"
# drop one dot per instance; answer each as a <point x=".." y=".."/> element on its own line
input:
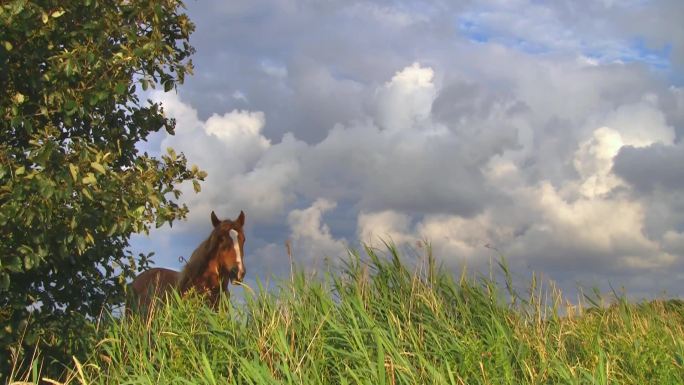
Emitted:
<point x="214" y="219"/>
<point x="241" y="218"/>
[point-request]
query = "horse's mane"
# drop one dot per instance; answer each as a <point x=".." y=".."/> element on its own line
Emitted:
<point x="198" y="262"/>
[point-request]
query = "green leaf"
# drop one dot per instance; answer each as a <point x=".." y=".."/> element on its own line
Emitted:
<point x="13" y="264"/>
<point x="44" y="153"/>
<point x="69" y="68"/>
<point x="102" y="95"/>
<point x="196" y="186"/>
<point x="154" y="200"/>
<point x="57" y="13"/>
<point x="93" y="99"/>
<point x="89" y="179"/>
<point x="44" y="17"/>
<point x="69" y="104"/>
<point x="80" y="244"/>
<point x="172" y="153"/>
<point x="24" y="249"/>
<point x="4" y="281"/>
<point x="168" y="85"/>
<point x="20" y="171"/>
<point x="98" y="167"/>
<point x="112" y="229"/>
<point x="28" y="262"/>
<point x="139" y="211"/>
<point x="74" y="172"/>
<point x="8" y="45"/>
<point x="47" y="190"/>
<point x="120" y="88"/>
<point x="87" y="194"/>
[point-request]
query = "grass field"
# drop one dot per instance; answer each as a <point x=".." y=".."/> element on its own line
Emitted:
<point x="378" y="321"/>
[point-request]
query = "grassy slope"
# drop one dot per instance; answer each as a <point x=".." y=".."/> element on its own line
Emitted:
<point x="383" y="323"/>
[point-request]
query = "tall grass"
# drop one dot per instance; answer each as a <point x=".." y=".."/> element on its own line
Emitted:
<point x="378" y="321"/>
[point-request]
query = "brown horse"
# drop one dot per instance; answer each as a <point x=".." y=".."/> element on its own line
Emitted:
<point x="216" y="262"/>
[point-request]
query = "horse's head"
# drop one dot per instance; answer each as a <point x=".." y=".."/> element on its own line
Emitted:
<point x="230" y="243"/>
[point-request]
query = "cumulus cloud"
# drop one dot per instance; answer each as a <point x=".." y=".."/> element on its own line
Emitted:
<point x="385" y="226"/>
<point x="596" y="230"/>
<point x="406" y="100"/>
<point x="632" y="119"/>
<point x="311" y="237"/>
<point x="594" y="162"/>
<point x="245" y="170"/>
<point x="539" y="131"/>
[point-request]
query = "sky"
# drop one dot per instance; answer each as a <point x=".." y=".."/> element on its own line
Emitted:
<point x="547" y="132"/>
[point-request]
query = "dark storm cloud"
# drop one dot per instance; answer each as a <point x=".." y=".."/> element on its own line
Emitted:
<point x="655" y="167"/>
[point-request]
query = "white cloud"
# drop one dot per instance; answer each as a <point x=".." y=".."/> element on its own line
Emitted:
<point x="385" y="226"/>
<point x="274" y="70"/>
<point x="245" y="170"/>
<point x="642" y="123"/>
<point x="454" y="238"/>
<point x="406" y="99"/>
<point x="580" y="221"/>
<point x="504" y="150"/>
<point x="601" y="225"/>
<point x="465" y="239"/>
<point x="311" y="237"/>
<point x="594" y="162"/>
<point x="240" y="133"/>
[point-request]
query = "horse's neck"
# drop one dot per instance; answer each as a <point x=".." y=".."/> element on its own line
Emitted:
<point x="196" y="264"/>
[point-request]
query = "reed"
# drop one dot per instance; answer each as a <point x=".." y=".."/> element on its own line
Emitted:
<point x="378" y="320"/>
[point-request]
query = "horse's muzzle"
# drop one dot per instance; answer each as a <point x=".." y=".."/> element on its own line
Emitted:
<point x="237" y="274"/>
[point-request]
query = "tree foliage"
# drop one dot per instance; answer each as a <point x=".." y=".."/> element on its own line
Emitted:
<point x="74" y="185"/>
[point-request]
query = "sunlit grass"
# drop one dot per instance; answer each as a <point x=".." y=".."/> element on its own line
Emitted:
<point x="378" y="321"/>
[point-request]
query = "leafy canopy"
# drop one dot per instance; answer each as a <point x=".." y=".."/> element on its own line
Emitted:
<point x="73" y="184"/>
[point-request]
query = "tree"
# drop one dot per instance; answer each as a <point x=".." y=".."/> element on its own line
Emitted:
<point x="73" y="184"/>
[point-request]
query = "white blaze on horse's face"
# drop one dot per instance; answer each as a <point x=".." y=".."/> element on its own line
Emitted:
<point x="238" y="253"/>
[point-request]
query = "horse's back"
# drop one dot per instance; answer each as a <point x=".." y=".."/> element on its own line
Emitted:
<point x="153" y="283"/>
<point x="156" y="277"/>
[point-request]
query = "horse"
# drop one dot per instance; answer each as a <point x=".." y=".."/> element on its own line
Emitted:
<point x="216" y="262"/>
